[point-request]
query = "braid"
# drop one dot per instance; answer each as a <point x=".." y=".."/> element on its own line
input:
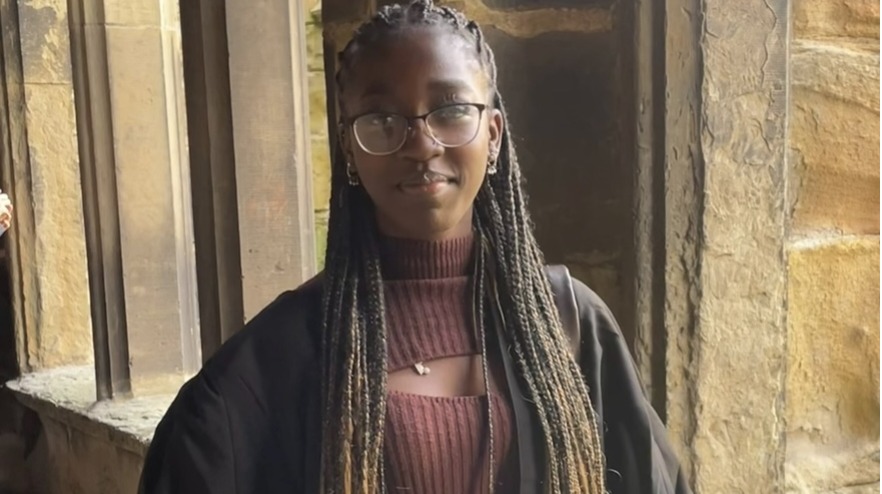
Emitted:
<point x="508" y="260"/>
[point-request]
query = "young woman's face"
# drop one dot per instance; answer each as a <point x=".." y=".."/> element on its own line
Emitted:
<point x="423" y="189"/>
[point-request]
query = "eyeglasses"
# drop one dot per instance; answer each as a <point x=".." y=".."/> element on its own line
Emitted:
<point x="382" y="134"/>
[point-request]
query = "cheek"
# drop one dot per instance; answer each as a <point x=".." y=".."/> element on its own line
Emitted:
<point x="369" y="167"/>
<point x="472" y="163"/>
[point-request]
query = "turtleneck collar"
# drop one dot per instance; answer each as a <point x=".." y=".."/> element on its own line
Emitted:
<point x="406" y="259"/>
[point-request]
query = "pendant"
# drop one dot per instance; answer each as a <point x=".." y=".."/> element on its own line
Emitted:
<point x="421" y="369"/>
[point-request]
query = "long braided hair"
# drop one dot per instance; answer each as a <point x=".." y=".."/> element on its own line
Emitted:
<point x="508" y="261"/>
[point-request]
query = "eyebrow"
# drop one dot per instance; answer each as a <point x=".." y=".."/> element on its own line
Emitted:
<point x="375" y="89"/>
<point x="449" y="86"/>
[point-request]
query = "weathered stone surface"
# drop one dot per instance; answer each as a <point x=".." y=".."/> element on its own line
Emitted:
<point x="48" y="265"/>
<point x="44" y="41"/>
<point x="835" y="137"/>
<point x="833" y="363"/>
<point x="269" y="101"/>
<point x="136" y="12"/>
<point x="152" y="192"/>
<point x="67" y="394"/>
<point x="518" y="23"/>
<point x="835" y="18"/>
<point x="86" y="446"/>
<point x="811" y="469"/>
<point x="67" y="460"/>
<point x="62" y="333"/>
<point x="724" y="242"/>
<point x="534" y="18"/>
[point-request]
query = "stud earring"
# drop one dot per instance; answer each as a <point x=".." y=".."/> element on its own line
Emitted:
<point x="491" y="164"/>
<point x="352" y="175"/>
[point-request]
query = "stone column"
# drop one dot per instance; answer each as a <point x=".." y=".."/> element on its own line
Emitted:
<point x="245" y="70"/>
<point x="40" y="171"/>
<point x="132" y="131"/>
<point x="726" y="82"/>
<point x="270" y="115"/>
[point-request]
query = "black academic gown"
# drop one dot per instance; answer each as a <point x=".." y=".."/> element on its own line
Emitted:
<point x="250" y="422"/>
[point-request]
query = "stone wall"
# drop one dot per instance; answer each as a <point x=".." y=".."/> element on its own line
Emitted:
<point x="833" y="248"/>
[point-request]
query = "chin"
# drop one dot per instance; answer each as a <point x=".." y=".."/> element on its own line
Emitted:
<point x="432" y="225"/>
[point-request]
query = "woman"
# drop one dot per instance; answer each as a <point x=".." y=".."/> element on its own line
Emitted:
<point x="430" y="356"/>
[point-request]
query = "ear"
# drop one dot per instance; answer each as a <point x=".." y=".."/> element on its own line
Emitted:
<point x="497" y="126"/>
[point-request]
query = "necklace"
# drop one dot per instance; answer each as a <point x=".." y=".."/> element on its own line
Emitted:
<point x="421" y="369"/>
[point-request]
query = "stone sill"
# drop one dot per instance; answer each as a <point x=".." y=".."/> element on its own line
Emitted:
<point x="67" y="395"/>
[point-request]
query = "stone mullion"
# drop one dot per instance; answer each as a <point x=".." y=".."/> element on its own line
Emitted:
<point x="271" y="146"/>
<point x="132" y="138"/>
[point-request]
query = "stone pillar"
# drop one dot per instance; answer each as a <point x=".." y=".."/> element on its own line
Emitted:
<point x="40" y="171"/>
<point x="270" y="111"/>
<point x="245" y="71"/>
<point x="724" y="220"/>
<point x="132" y="131"/>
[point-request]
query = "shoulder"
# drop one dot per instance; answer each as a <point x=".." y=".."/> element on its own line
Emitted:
<point x="280" y="342"/>
<point x="594" y="312"/>
<point x="227" y="411"/>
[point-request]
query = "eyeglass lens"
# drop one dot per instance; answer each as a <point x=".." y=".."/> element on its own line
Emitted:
<point x="385" y="133"/>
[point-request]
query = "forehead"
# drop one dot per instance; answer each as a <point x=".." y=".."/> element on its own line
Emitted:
<point x="414" y="62"/>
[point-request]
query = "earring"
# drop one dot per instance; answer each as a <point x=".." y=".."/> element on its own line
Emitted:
<point x="352" y="175"/>
<point x="491" y="164"/>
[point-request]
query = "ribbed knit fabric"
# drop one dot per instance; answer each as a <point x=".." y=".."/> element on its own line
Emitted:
<point x="438" y="445"/>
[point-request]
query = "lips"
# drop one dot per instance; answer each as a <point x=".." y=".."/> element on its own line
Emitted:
<point x="425" y="178"/>
<point x="426" y="184"/>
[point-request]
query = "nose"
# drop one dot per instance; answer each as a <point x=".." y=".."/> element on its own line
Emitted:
<point x="420" y="145"/>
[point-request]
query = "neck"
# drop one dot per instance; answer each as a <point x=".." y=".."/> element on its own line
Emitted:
<point x="426" y="232"/>
<point x="402" y="259"/>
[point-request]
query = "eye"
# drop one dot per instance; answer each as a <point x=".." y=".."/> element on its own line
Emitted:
<point x="378" y="120"/>
<point x="453" y="113"/>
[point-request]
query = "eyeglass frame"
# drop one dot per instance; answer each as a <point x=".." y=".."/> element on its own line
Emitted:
<point x="350" y="123"/>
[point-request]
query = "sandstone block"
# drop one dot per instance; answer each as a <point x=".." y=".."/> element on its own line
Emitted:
<point x="135" y="12"/>
<point x="835" y="18"/>
<point x="45" y="43"/>
<point x="835" y="138"/>
<point x="833" y="334"/>
<point x="62" y="332"/>
<point x="833" y="365"/>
